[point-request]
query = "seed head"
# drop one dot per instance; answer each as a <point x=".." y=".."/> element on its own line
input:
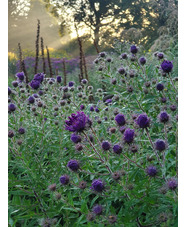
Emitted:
<point x="82" y="184"/>
<point x="10" y="134"/>
<point x="112" y="130"/>
<point x="134" y="148"/>
<point x="52" y="187"/>
<point x="112" y="219"/>
<point x="116" y="176"/>
<point x="97" y="209"/>
<point x="79" y="147"/>
<point x="58" y="196"/>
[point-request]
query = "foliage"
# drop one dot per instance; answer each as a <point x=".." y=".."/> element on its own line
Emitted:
<point x="39" y="157"/>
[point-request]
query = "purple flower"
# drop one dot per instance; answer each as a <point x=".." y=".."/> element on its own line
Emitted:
<point x="97" y="209"/>
<point x="142" y="60"/>
<point x="92" y="108"/>
<point x="59" y="79"/>
<point x="21" y="130"/>
<point x="97" y="185"/>
<point x="172" y="184"/>
<point x="82" y="107"/>
<point x="31" y="99"/>
<point x="75" y="138"/>
<point x="35" y="84"/>
<point x="160" y="87"/>
<point x="78" y="122"/>
<point x="11" y="107"/>
<point x="73" y="165"/>
<point x="151" y="171"/>
<point x="97" y="110"/>
<point x="117" y="149"/>
<point x="20" y="76"/>
<point x="133" y="49"/>
<point x="143" y="121"/>
<point x="15" y="83"/>
<point x="160" y="145"/>
<point x="71" y="84"/>
<point x="39" y="77"/>
<point x="124" y="56"/>
<point x="166" y="66"/>
<point x="64" y="179"/>
<point x="121" y="70"/>
<point x="105" y="145"/>
<point x="120" y="119"/>
<point x="40" y="92"/>
<point x="128" y="135"/>
<point x="9" y="91"/>
<point x="163" y="117"/>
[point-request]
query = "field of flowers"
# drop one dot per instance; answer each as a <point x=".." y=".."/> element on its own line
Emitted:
<point x="102" y="152"/>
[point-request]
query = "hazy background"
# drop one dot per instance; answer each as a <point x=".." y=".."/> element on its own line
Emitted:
<point x="152" y="23"/>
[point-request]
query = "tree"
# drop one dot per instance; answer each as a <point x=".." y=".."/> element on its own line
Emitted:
<point x="107" y="18"/>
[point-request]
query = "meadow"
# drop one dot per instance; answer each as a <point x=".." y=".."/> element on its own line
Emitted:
<point x="96" y="151"/>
